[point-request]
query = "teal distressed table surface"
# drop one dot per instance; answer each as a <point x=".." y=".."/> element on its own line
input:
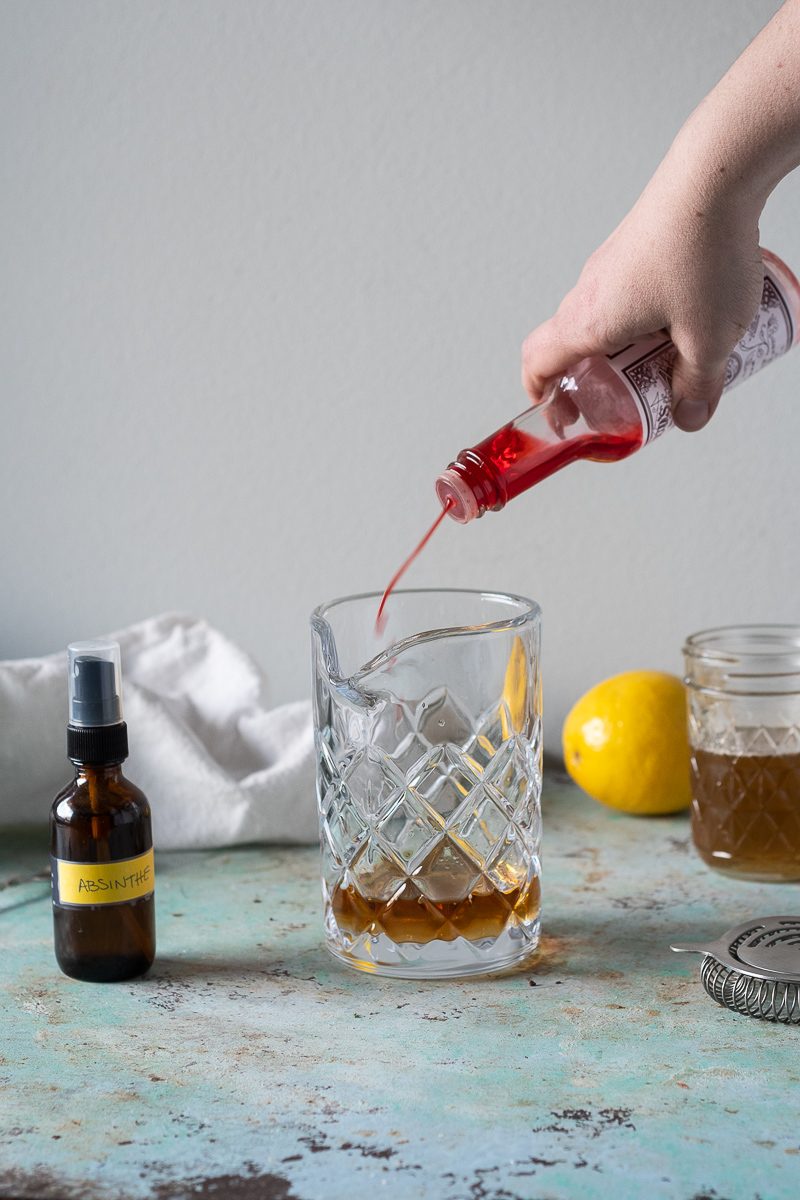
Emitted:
<point x="248" y="1064"/>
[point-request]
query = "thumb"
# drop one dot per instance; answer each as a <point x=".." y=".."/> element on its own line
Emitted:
<point x="696" y="389"/>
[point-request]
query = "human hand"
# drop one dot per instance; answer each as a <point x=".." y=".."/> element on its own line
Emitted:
<point x="685" y="259"/>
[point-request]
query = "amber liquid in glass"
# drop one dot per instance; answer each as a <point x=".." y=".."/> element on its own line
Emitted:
<point x="412" y="917"/>
<point x="746" y="813"/>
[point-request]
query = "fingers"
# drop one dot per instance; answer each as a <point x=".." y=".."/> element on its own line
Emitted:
<point x="698" y="373"/>
<point x="583" y="325"/>
<point x="696" y="389"/>
<point x="551" y="350"/>
<point x="544" y="356"/>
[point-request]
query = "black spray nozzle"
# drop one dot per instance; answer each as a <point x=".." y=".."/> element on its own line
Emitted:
<point x="94" y="685"/>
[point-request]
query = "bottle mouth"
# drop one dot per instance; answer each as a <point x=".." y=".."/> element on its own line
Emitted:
<point x="455" y="492"/>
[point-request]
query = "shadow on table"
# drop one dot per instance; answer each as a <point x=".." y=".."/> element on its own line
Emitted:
<point x="573" y="946"/>
<point x="249" y="968"/>
<point x="630" y="942"/>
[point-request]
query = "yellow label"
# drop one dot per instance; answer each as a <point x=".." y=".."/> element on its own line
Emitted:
<point x="103" y="883"/>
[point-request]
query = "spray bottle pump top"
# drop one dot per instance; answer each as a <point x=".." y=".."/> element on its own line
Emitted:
<point x="96" y="732"/>
<point x="95" y="684"/>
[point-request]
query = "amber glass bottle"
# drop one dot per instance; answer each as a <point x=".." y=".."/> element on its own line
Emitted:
<point x="101" y="844"/>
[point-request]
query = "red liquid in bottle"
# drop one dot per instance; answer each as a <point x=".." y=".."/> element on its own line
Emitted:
<point x="522" y="460"/>
<point x="598" y="420"/>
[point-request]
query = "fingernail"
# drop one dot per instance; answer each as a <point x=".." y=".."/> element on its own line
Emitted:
<point x="690" y="414"/>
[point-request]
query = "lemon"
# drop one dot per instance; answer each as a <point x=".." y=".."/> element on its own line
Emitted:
<point x="625" y="743"/>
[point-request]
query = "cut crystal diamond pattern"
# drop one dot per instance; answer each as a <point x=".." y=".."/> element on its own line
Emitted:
<point x="373" y="780"/>
<point x="445" y="779"/>
<point x="427" y="816"/>
<point x="482" y="824"/>
<point x="343" y="823"/>
<point x="515" y="776"/>
<point x="492" y="730"/>
<point x="442" y="720"/>
<point x="446" y="873"/>
<point x="327" y="768"/>
<point x="375" y="871"/>
<point x="410" y="753"/>
<point x="429" y="916"/>
<point x="408" y="827"/>
<point x="511" y="863"/>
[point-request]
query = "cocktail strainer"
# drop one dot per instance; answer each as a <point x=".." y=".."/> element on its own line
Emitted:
<point x="754" y="968"/>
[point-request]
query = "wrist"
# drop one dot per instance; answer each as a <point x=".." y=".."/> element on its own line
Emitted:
<point x="715" y="181"/>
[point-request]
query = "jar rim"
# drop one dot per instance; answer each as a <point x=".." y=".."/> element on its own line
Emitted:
<point x="728" y="644"/>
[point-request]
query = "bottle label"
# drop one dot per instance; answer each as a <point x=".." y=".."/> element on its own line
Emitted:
<point x="646" y="367"/>
<point x="76" y="884"/>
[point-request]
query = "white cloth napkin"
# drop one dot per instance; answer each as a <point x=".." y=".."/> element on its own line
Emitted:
<point x="217" y="765"/>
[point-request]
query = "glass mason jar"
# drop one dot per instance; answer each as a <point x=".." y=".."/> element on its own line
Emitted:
<point x="428" y="740"/>
<point x="743" y="687"/>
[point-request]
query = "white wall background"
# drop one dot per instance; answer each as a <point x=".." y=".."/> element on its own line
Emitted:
<point x="266" y="268"/>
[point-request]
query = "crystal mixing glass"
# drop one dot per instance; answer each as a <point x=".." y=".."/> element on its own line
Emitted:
<point x="428" y="742"/>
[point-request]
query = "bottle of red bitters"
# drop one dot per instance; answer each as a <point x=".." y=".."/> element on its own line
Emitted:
<point x="608" y="407"/>
<point x="101" y="845"/>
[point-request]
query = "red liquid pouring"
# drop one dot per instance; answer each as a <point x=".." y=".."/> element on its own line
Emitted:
<point x="380" y="620"/>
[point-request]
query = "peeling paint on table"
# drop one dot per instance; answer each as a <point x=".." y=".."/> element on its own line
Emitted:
<point x="249" y="1064"/>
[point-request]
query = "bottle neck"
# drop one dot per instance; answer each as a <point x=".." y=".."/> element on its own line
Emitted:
<point x="89" y="773"/>
<point x="470" y="487"/>
<point x="523" y="452"/>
